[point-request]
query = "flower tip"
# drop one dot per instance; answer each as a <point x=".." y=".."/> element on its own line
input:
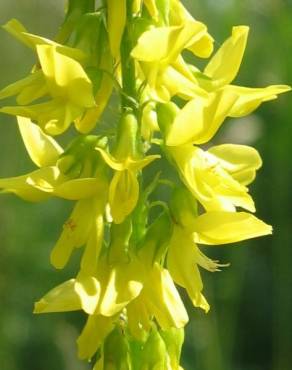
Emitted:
<point x="39" y="307"/>
<point x="269" y="229"/>
<point x="240" y="29"/>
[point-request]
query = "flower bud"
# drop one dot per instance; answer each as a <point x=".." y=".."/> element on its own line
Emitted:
<point x="127" y="145"/>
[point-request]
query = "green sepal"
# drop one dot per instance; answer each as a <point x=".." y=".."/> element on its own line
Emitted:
<point x="141" y="212"/>
<point x="155" y="244"/>
<point x="127" y="137"/>
<point x="119" y="241"/>
<point x="154" y="354"/>
<point x="163" y="7"/>
<point x="95" y="75"/>
<point x="183" y="206"/>
<point x="89" y="36"/>
<point x="75" y="10"/>
<point x="166" y="114"/>
<point x="116" y="351"/>
<point x="81" y="158"/>
<point x="173" y="339"/>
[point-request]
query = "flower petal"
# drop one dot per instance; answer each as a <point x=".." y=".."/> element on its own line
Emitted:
<point x="199" y="120"/>
<point x="62" y="298"/>
<point x="240" y="161"/>
<point x="95" y="331"/>
<point x="88" y="290"/>
<point x="182" y="265"/>
<point x="232" y="50"/>
<point x="228" y="227"/>
<point x="75" y="232"/>
<point x="42" y="149"/>
<point x="163" y="299"/>
<point x="250" y="99"/>
<point x="65" y="77"/>
<point x="123" y="194"/>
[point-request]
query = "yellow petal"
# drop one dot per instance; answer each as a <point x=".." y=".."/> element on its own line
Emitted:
<point x="95" y="331"/>
<point x="200" y="119"/>
<point x="124" y="283"/>
<point x="75" y="232"/>
<point x="35" y="186"/>
<point x="79" y="188"/>
<point x="123" y="194"/>
<point x="154" y="45"/>
<point x="152" y="8"/>
<point x="208" y="181"/>
<point x="164" y="44"/>
<point x="228" y="227"/>
<point x="177" y="84"/>
<point x="94" y="244"/>
<point x="182" y="265"/>
<point x="116" y="18"/>
<point x="88" y="290"/>
<point x="136" y="7"/>
<point x="16" y="29"/>
<point x="203" y="47"/>
<point x="163" y="299"/>
<point x="92" y="115"/>
<point x="46" y="179"/>
<point x="42" y="149"/>
<point x="65" y="77"/>
<point x="54" y="116"/>
<point x="62" y="298"/>
<point x="250" y="99"/>
<point x="224" y="65"/>
<point x="28" y="89"/>
<point x="240" y="161"/>
<point x="111" y="161"/>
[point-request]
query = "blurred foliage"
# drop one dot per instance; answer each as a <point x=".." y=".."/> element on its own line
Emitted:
<point x="250" y="324"/>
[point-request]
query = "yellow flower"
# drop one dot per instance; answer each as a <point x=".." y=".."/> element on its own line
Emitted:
<point x="159" y="298"/>
<point x="107" y="292"/>
<point x="85" y="226"/>
<point x="158" y="51"/>
<point x="67" y="84"/>
<point x="198" y="121"/>
<point x="218" y="183"/>
<point x="212" y="228"/>
<point x="183" y="258"/>
<point x="124" y="187"/>
<point x="61" y="78"/>
<point x="162" y="299"/>
<point x="49" y="180"/>
<point x="219" y="74"/>
<point x="127" y="162"/>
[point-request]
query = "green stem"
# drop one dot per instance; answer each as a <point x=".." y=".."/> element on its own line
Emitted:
<point x="128" y="66"/>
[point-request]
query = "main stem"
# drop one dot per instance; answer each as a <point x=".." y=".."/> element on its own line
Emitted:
<point x="129" y="96"/>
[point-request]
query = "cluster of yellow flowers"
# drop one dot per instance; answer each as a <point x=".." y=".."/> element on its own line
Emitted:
<point x="132" y="259"/>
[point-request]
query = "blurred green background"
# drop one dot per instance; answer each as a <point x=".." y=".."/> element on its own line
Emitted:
<point x="250" y="323"/>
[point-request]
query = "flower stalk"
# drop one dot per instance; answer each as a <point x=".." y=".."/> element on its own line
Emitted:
<point x="137" y="246"/>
